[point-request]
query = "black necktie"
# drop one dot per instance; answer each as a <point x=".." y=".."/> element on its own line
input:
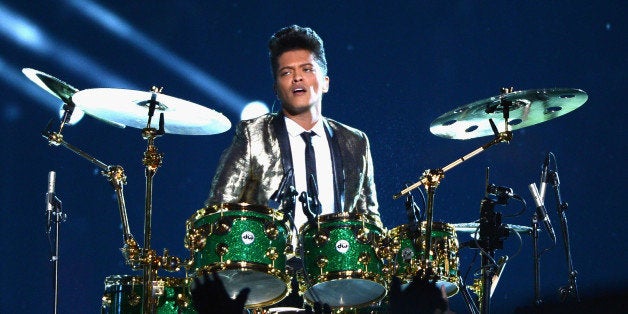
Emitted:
<point x="310" y="163"/>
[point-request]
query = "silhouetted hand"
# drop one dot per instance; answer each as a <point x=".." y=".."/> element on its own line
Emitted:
<point x="420" y="296"/>
<point x="209" y="296"/>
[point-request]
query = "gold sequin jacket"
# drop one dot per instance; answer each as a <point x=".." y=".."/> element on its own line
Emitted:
<point x="251" y="169"/>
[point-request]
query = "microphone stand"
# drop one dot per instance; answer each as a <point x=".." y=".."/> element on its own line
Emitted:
<point x="536" y="257"/>
<point x="473" y="309"/>
<point x="306" y="205"/>
<point x="413" y="213"/>
<point x="572" y="287"/>
<point x="490" y="240"/>
<point x="58" y="216"/>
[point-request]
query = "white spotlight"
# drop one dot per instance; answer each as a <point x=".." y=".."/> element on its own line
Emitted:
<point x="253" y="109"/>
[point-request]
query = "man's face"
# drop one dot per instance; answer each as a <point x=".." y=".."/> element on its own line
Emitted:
<point x="299" y="81"/>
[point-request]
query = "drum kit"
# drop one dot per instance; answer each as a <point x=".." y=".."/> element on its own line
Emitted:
<point x="347" y="261"/>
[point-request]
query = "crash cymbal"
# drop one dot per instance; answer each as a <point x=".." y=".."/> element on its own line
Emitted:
<point x="527" y="108"/>
<point x="472" y="227"/>
<point x="130" y="108"/>
<point x="51" y="84"/>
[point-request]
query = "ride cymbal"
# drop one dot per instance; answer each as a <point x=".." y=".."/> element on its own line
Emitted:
<point x="130" y="108"/>
<point x="525" y="108"/>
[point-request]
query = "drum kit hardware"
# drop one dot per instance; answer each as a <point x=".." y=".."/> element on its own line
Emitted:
<point x="474" y="227"/>
<point x="347" y="259"/>
<point x="342" y="263"/>
<point x="246" y="244"/>
<point x="130" y="108"/>
<point x="479" y="119"/>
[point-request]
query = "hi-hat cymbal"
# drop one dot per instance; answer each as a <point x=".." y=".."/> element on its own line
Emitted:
<point x="472" y="227"/>
<point x="526" y="108"/>
<point x="130" y="108"/>
<point x="51" y="84"/>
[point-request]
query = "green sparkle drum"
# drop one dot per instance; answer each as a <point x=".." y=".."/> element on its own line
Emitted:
<point x="409" y="256"/>
<point x="123" y="295"/>
<point x="341" y="263"/>
<point x="246" y="245"/>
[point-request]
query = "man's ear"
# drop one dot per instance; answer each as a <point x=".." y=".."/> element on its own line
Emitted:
<point x="326" y="85"/>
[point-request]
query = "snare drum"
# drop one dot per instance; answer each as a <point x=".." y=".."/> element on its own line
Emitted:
<point x="123" y="294"/>
<point x="246" y="245"/>
<point x="409" y="253"/>
<point x="341" y="264"/>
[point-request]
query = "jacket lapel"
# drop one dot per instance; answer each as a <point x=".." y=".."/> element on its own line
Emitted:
<point x="279" y="126"/>
<point x="337" y="167"/>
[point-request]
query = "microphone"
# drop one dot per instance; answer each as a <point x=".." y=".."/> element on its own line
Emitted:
<point x="500" y="191"/>
<point x="412" y="209"/>
<point x="316" y="203"/>
<point x="540" y="210"/>
<point x="543" y="183"/>
<point x="50" y="196"/>
<point x="307" y="210"/>
<point x="278" y="195"/>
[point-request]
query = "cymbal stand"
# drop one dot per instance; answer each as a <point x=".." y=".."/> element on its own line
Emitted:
<point x="115" y="175"/>
<point x="135" y="256"/>
<point x="572" y="287"/>
<point x="432" y="177"/>
<point x="152" y="160"/>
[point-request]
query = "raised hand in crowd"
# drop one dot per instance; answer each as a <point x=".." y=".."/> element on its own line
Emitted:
<point x="421" y="296"/>
<point x="209" y="296"/>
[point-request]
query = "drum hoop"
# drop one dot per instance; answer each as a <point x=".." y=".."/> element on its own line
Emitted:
<point x="436" y="226"/>
<point x="343" y="217"/>
<point x="448" y="279"/>
<point x="126" y="280"/>
<point x="244" y="265"/>
<point x="257" y="267"/>
<point x="349" y="275"/>
<point x="190" y="225"/>
<point x="235" y="207"/>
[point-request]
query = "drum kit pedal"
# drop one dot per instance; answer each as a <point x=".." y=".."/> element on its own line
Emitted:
<point x="347" y="260"/>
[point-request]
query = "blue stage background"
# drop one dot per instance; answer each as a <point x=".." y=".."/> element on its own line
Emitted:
<point x="394" y="68"/>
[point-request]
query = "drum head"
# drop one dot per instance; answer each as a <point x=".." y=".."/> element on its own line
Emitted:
<point x="285" y="310"/>
<point x="266" y="289"/>
<point x="346" y="292"/>
<point x="451" y="288"/>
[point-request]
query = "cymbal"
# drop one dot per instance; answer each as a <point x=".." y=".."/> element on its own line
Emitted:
<point x="472" y="227"/>
<point x="527" y="108"/>
<point x="51" y="84"/>
<point x="130" y="108"/>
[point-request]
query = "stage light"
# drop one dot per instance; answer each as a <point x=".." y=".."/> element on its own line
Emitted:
<point x="21" y="30"/>
<point x="207" y="84"/>
<point x="253" y="109"/>
<point x="18" y="82"/>
<point x="27" y="34"/>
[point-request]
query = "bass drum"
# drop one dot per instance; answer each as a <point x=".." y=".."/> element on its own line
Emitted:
<point x="246" y="245"/>
<point x="408" y="247"/>
<point x="341" y="263"/>
<point x="123" y="295"/>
